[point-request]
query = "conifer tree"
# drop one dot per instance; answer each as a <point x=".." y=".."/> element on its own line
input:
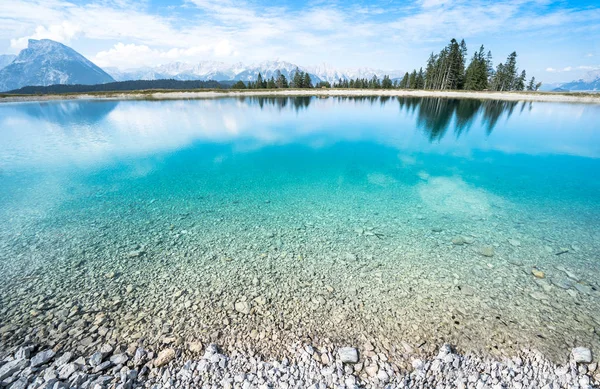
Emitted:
<point x="420" y="80"/>
<point x="281" y="81"/>
<point x="412" y="80"/>
<point x="297" y="79"/>
<point x="404" y="82"/>
<point x="520" y="81"/>
<point x="386" y="83"/>
<point x="306" y="81"/>
<point x="239" y="85"/>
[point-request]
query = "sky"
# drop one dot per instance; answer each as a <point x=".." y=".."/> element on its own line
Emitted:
<point x="555" y="40"/>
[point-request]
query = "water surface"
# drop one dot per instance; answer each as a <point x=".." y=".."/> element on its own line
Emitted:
<point x="265" y="221"/>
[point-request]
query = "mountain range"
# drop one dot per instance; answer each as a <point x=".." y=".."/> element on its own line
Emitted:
<point x="590" y="83"/>
<point x="220" y="71"/>
<point x="46" y="62"/>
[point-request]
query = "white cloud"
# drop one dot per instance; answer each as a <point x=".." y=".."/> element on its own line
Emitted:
<point x="63" y="33"/>
<point x="572" y="68"/>
<point x="130" y="55"/>
<point x="379" y="35"/>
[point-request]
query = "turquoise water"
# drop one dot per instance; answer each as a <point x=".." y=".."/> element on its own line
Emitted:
<point x="265" y="221"/>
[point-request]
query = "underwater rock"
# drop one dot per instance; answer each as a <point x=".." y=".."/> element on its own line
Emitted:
<point x="486" y="251"/>
<point x="538" y="273"/>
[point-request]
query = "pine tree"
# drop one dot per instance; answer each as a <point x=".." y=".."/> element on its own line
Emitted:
<point x="271" y="83"/>
<point x="520" y="81"/>
<point x="404" y="82"/>
<point x="306" y="81"/>
<point x="386" y="83"/>
<point x="412" y="80"/>
<point x="239" y="85"/>
<point x="296" y="79"/>
<point x="476" y="77"/>
<point x="532" y="86"/>
<point x="259" y="81"/>
<point x="430" y="72"/>
<point x="281" y="81"/>
<point x="420" y="80"/>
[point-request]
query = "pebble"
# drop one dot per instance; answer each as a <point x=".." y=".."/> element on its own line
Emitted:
<point x="9" y="368"/>
<point x="242" y="307"/>
<point x="514" y="242"/>
<point x="96" y="359"/>
<point x="195" y="347"/>
<point x="538" y="273"/>
<point x="487" y="251"/>
<point x="164" y="357"/>
<point x="42" y="357"/>
<point x="348" y="354"/>
<point x="119" y="359"/>
<point x="582" y="355"/>
<point x="458" y="240"/>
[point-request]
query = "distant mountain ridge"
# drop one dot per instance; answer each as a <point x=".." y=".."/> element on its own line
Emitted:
<point x="6" y="59"/>
<point x="220" y="71"/>
<point x="591" y="83"/>
<point x="46" y="62"/>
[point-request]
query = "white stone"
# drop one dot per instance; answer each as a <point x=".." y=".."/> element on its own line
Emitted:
<point x="582" y="355"/>
<point x="348" y="354"/>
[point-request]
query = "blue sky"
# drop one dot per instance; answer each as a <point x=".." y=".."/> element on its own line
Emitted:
<point x="555" y="40"/>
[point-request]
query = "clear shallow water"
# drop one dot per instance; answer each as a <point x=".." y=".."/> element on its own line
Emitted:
<point x="262" y="222"/>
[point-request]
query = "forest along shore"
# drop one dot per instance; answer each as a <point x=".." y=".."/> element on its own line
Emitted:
<point x="593" y="98"/>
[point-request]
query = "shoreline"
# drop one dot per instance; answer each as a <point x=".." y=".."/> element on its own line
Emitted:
<point x="120" y="365"/>
<point x="210" y="94"/>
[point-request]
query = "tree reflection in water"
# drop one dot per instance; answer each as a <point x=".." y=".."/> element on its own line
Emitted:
<point x="434" y="114"/>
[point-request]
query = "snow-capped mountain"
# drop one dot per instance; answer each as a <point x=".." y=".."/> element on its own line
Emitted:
<point x="6" y="59"/>
<point x="590" y="83"/>
<point x="329" y="73"/>
<point x="46" y="62"/>
<point x="206" y="70"/>
<point x="220" y="71"/>
<point x="269" y="69"/>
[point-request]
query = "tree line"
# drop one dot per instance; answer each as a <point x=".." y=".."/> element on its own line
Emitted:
<point x="120" y="86"/>
<point x="447" y="70"/>
<point x="300" y="79"/>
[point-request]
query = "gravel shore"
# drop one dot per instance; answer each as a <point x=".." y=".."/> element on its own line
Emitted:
<point x="123" y="366"/>
<point x="177" y="95"/>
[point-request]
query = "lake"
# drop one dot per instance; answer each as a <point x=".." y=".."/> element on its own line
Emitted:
<point x="261" y="222"/>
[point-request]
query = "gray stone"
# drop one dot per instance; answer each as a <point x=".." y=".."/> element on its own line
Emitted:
<point x="119" y="359"/>
<point x="21" y="383"/>
<point x="24" y="352"/>
<point x="11" y="367"/>
<point x="96" y="359"/>
<point x="348" y="354"/>
<point x="103" y="366"/>
<point x="140" y="355"/>
<point x="64" y="359"/>
<point x="42" y="357"/>
<point x="67" y="370"/>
